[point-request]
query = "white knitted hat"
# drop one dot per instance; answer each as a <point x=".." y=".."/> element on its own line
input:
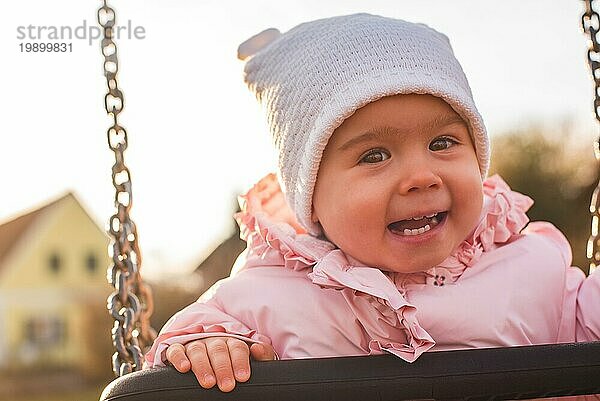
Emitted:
<point x="313" y="77"/>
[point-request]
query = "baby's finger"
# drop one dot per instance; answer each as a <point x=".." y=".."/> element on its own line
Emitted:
<point x="218" y="353"/>
<point x="240" y="359"/>
<point x="176" y="355"/>
<point x="262" y="352"/>
<point x="196" y="352"/>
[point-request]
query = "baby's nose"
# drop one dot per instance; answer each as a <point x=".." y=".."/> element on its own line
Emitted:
<point x="419" y="179"/>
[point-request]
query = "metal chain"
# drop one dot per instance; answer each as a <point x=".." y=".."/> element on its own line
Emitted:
<point x="131" y="302"/>
<point x="590" y="22"/>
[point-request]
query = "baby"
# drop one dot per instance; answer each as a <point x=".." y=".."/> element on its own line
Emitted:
<point x="380" y="232"/>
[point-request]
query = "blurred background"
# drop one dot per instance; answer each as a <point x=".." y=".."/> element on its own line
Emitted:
<point x="197" y="140"/>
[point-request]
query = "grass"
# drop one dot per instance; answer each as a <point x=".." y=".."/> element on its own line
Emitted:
<point x="90" y="394"/>
<point x="50" y="385"/>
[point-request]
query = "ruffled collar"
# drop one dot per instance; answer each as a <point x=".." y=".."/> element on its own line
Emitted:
<point x="271" y="230"/>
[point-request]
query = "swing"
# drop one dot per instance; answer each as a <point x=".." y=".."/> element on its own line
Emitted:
<point x="497" y="373"/>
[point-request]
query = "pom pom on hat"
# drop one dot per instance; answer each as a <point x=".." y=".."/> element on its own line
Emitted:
<point x="313" y="77"/>
<point x="257" y="42"/>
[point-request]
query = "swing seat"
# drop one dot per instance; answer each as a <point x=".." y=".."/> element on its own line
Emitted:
<point x="475" y="374"/>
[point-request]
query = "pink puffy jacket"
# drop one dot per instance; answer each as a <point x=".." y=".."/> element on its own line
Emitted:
<point x="503" y="286"/>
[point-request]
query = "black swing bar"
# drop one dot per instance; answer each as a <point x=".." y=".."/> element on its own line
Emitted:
<point x="476" y="374"/>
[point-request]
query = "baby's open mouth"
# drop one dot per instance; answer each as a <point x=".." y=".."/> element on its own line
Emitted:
<point x="417" y="225"/>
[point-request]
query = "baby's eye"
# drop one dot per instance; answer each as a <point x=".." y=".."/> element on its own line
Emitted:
<point x="375" y="156"/>
<point x="442" y="144"/>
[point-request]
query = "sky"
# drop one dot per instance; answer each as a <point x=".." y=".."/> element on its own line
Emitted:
<point x="197" y="137"/>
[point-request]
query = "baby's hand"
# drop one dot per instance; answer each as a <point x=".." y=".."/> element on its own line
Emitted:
<point x="218" y="360"/>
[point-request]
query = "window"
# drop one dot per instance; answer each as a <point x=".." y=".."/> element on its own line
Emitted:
<point x="54" y="263"/>
<point x="91" y="263"/>
<point x="45" y="330"/>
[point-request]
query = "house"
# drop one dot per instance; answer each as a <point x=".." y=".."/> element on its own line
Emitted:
<point x="53" y="288"/>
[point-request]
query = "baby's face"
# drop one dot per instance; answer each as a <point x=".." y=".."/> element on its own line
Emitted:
<point x="396" y="159"/>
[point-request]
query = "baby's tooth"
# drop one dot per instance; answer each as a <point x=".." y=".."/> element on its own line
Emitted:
<point x="418" y="218"/>
<point x="416" y="231"/>
<point x="431" y="215"/>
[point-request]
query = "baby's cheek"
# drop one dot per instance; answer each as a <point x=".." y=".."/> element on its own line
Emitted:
<point x="349" y="232"/>
<point x="473" y="203"/>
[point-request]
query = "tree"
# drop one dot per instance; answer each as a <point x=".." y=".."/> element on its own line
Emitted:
<point x="556" y="168"/>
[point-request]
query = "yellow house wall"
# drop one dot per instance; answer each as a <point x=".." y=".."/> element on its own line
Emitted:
<point x="71" y="293"/>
